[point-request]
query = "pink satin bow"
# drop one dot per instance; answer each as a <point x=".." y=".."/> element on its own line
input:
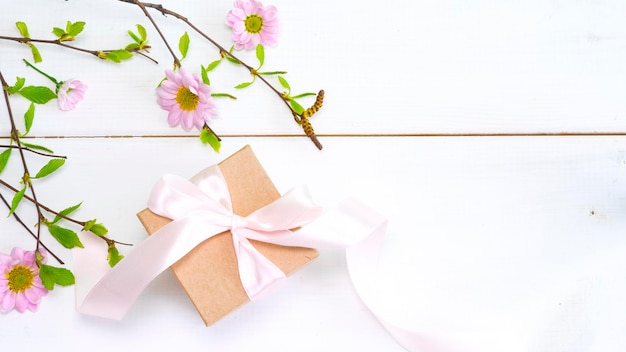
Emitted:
<point x="209" y="200"/>
<point x="199" y="211"/>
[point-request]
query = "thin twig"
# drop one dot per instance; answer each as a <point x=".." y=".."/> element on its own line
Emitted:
<point x="19" y="220"/>
<point x="34" y="151"/>
<point x="26" y="178"/>
<point x="145" y="11"/>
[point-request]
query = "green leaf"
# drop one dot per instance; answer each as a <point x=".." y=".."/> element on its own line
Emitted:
<point x="19" y="83"/>
<point x="213" y="65"/>
<point x="142" y="32"/>
<point x="134" y="36"/>
<point x="4" y="158"/>
<point x="204" y="73"/>
<point x="208" y="137"/>
<point x="51" y="275"/>
<point x="17" y="198"/>
<point x="29" y="116"/>
<point x="284" y="83"/>
<point x="260" y="54"/>
<point x="131" y="47"/>
<point x="50" y="167"/>
<point x="114" y="256"/>
<point x="23" y="28"/>
<point x="35" y="52"/>
<point x="65" y="212"/>
<point x="183" y="45"/>
<point x="118" y="56"/>
<point x="95" y="228"/>
<point x="66" y="237"/>
<point x="73" y="29"/>
<point x="303" y="95"/>
<point x="37" y="147"/>
<point x="244" y="85"/>
<point x="223" y="95"/>
<point x="58" y="32"/>
<point x="297" y="107"/>
<point x="272" y="73"/>
<point x="37" y="94"/>
<point x="236" y="62"/>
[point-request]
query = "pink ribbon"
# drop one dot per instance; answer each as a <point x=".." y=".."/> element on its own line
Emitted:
<point x="199" y="211"/>
<point x="201" y="208"/>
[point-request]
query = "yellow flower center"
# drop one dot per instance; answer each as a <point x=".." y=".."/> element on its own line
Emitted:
<point x="20" y="278"/>
<point x="186" y="99"/>
<point x="254" y="24"/>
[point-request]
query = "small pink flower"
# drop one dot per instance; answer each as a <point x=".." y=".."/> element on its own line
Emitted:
<point x="70" y="93"/>
<point x="187" y="99"/>
<point x="20" y="285"/>
<point x="252" y="24"/>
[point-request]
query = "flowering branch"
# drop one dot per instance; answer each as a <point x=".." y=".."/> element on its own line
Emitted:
<point x="72" y="30"/>
<point x="26" y="178"/>
<point x="301" y="117"/>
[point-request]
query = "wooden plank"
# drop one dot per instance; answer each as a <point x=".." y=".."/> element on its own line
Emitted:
<point x="419" y="67"/>
<point x="518" y="237"/>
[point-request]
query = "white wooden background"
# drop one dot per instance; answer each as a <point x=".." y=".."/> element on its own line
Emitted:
<point x="490" y="133"/>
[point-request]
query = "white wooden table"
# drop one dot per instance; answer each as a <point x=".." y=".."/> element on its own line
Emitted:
<point x="490" y="134"/>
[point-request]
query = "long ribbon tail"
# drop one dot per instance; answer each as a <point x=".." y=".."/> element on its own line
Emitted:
<point x="116" y="291"/>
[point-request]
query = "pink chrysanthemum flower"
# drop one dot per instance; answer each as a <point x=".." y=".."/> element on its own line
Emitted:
<point x="70" y="93"/>
<point x="187" y="99"/>
<point x="20" y="285"/>
<point x="252" y="24"/>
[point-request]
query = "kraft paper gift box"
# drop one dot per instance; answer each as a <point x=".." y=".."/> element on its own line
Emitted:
<point x="209" y="273"/>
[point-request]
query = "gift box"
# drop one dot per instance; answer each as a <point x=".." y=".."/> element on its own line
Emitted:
<point x="209" y="273"/>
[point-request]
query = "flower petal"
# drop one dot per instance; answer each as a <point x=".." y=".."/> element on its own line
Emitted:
<point x="21" y="303"/>
<point x="8" y="302"/>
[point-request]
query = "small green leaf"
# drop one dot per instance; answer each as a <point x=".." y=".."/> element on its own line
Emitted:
<point x="142" y="32"/>
<point x="37" y="94"/>
<point x="297" y="107"/>
<point x="284" y="83"/>
<point x="244" y="85"/>
<point x="204" y="73"/>
<point x="134" y="36"/>
<point x="66" y="237"/>
<point x="208" y="137"/>
<point x="65" y="212"/>
<point x="114" y="256"/>
<point x="213" y="65"/>
<point x="35" y="52"/>
<point x="131" y="47"/>
<point x="23" y="28"/>
<point x="236" y="62"/>
<point x="19" y="83"/>
<point x="73" y="29"/>
<point x="260" y="54"/>
<point x="58" y="32"/>
<point x="37" y="147"/>
<point x="51" y="275"/>
<point x="183" y="45"/>
<point x="96" y="228"/>
<point x="50" y="167"/>
<point x="118" y="56"/>
<point x="303" y="95"/>
<point x="29" y="116"/>
<point x="223" y="95"/>
<point x="17" y="198"/>
<point x="272" y="73"/>
<point x="4" y="158"/>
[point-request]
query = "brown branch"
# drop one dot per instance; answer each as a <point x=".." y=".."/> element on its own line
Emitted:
<point x="222" y="50"/>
